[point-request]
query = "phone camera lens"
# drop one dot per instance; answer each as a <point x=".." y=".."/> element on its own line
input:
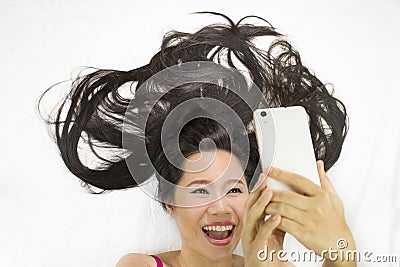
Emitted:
<point x="263" y="113"/>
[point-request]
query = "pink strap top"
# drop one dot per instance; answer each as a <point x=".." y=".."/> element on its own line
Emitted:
<point x="158" y="261"/>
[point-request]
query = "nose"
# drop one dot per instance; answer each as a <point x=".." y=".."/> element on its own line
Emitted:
<point x="220" y="206"/>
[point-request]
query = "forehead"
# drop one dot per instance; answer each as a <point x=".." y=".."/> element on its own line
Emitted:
<point x="212" y="166"/>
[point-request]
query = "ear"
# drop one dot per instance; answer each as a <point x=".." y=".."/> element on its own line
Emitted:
<point x="170" y="209"/>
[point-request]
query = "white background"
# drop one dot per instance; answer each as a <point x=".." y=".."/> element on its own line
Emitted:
<point x="47" y="219"/>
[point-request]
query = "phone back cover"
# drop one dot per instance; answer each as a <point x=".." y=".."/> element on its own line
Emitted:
<point x="285" y="142"/>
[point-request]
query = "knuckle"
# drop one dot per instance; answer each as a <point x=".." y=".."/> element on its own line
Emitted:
<point x="284" y="223"/>
<point x="271" y="208"/>
<point x="275" y="208"/>
<point x="276" y="172"/>
<point x="281" y="208"/>
<point x="312" y="222"/>
<point x="266" y="229"/>
<point x="295" y="178"/>
<point x="278" y="194"/>
<point x="318" y="210"/>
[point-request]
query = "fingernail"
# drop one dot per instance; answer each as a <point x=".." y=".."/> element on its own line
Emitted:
<point x="275" y="217"/>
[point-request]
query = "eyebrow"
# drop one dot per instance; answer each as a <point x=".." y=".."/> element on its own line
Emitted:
<point x="231" y="181"/>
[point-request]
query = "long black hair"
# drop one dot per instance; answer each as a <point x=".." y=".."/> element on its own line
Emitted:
<point x="94" y="109"/>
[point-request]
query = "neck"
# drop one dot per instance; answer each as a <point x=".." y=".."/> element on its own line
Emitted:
<point x="188" y="257"/>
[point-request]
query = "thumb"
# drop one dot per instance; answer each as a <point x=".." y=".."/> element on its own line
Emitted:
<point x="327" y="185"/>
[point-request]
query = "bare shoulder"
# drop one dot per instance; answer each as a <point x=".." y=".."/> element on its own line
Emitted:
<point x="169" y="257"/>
<point x="144" y="260"/>
<point x="135" y="259"/>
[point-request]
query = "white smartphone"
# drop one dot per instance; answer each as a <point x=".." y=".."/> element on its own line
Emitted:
<point x="284" y="141"/>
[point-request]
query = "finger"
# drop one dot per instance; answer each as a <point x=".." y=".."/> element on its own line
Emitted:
<point x="327" y="185"/>
<point x="260" y="181"/>
<point x="291" y="198"/>
<point x="256" y="213"/>
<point x="291" y="227"/>
<point x="298" y="182"/>
<point x="253" y="196"/>
<point x="266" y="230"/>
<point x="324" y="180"/>
<point x="287" y="211"/>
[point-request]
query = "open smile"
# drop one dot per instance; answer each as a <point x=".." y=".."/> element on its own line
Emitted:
<point x="219" y="234"/>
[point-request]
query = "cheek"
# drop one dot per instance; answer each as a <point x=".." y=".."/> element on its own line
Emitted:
<point x="188" y="218"/>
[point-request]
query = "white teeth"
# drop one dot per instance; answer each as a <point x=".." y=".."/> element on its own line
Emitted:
<point x="218" y="228"/>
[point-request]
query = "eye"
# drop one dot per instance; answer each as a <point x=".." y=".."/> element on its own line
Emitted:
<point x="235" y="190"/>
<point x="199" y="191"/>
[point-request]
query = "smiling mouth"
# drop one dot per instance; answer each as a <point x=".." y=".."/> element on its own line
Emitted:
<point x="218" y="232"/>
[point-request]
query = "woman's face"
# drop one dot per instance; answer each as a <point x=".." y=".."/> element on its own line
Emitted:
<point x="213" y="227"/>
